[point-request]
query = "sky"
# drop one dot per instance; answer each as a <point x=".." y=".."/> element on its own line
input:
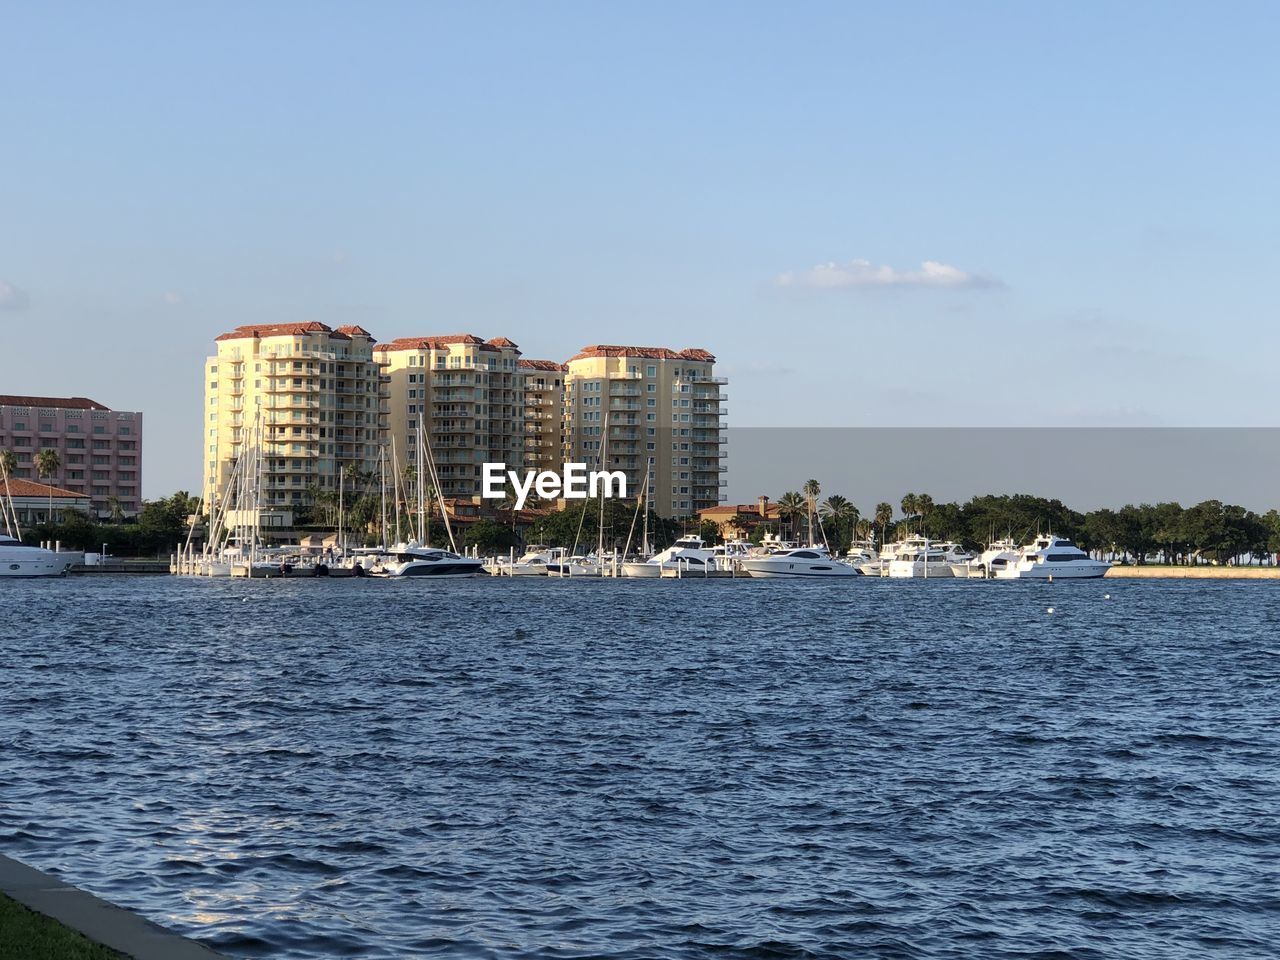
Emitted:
<point x="874" y="214"/>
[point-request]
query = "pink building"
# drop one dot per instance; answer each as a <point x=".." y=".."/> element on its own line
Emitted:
<point x="99" y="449"/>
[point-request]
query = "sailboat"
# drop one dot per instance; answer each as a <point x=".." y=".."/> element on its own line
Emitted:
<point x="414" y="558"/>
<point x="18" y="559"/>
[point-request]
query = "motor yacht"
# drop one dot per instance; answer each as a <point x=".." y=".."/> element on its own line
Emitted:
<point x="689" y="553"/>
<point x="998" y="555"/>
<point x="411" y="560"/>
<point x="1053" y="557"/>
<point x="799" y="562"/>
<point x="533" y="563"/>
<point x="577" y="566"/>
<point x="879" y="566"/>
<point x="928" y="560"/>
<point x="18" y="559"/>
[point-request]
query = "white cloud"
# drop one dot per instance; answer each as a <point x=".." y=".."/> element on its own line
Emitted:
<point x="865" y="274"/>
<point x="11" y="298"/>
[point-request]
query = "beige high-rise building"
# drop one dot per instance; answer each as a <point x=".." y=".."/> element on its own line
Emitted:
<point x="638" y="407"/>
<point x="310" y="399"/>
<point x="543" y="414"/>
<point x="468" y="393"/>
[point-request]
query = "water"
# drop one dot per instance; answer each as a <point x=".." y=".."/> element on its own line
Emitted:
<point x="524" y="768"/>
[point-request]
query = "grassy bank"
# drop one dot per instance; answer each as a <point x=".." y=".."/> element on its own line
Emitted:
<point x="26" y="935"/>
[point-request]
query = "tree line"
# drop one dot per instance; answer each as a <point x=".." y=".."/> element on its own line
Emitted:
<point x="1210" y="531"/>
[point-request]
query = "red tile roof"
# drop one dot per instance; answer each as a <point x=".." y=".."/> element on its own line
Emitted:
<point x="67" y="403"/>
<point x="18" y="487"/>
<point x="257" y="330"/>
<point x="504" y="342"/>
<point x="643" y="353"/>
<point x="434" y="343"/>
<point x="540" y="365"/>
<point x="355" y="331"/>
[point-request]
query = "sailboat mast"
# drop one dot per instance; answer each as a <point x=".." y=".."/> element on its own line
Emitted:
<point x="420" y="480"/>
<point x="645" y="545"/>
<point x="382" y="484"/>
<point x="6" y="504"/>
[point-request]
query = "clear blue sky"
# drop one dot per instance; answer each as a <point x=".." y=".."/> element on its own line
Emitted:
<point x="1096" y="183"/>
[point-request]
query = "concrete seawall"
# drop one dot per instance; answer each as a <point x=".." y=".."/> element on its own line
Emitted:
<point x="1148" y="572"/>
<point x="99" y="921"/>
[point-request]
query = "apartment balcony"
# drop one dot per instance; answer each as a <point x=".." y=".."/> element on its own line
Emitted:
<point x="624" y="390"/>
<point x="615" y="405"/>
<point x="700" y="378"/>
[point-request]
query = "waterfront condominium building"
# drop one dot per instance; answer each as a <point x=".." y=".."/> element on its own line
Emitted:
<point x="302" y="401"/>
<point x="543" y="414"/>
<point x="468" y="395"/>
<point x="636" y="407"/>
<point x="99" y="449"/>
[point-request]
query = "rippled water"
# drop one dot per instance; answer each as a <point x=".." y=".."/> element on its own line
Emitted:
<point x="654" y="769"/>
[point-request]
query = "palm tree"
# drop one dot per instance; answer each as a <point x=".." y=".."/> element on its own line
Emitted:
<point x="790" y="506"/>
<point x="811" y="491"/>
<point x="842" y="514"/>
<point x="863" y="529"/>
<point x="924" y="507"/>
<point x="508" y="502"/>
<point x="117" y="511"/>
<point x="47" y="464"/>
<point x="884" y="514"/>
<point x="908" y="505"/>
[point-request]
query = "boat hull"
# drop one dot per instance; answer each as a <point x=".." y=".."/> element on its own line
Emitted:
<point x="908" y="569"/>
<point x="641" y="570"/>
<point x="437" y="569"/>
<point x="788" y="569"/>
<point x="32" y="569"/>
<point x="1091" y="570"/>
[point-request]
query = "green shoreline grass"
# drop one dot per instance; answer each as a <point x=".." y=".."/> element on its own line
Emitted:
<point x="27" y="935"/>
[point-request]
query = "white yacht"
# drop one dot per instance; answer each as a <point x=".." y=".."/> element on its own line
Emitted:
<point x="733" y="550"/>
<point x="772" y="543"/>
<point x="533" y="563"/>
<point x="929" y="560"/>
<point x="799" y="562"/>
<point x="577" y="566"/>
<point x="879" y="566"/>
<point x="411" y="560"/>
<point x="1049" y="556"/>
<point x="689" y="552"/>
<point x="18" y="559"/>
<point x="996" y="557"/>
<point x="860" y="553"/>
